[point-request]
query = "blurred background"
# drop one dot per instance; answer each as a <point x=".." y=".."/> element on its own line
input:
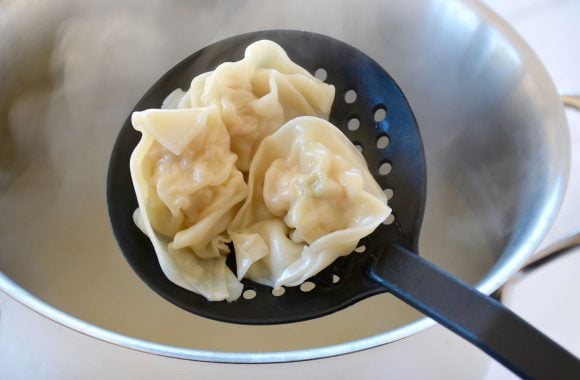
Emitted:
<point x="82" y="68"/>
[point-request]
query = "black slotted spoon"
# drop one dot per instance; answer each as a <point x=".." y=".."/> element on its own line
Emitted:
<point x="380" y="115"/>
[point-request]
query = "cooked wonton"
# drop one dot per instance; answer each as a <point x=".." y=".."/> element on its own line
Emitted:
<point x="186" y="168"/>
<point x="256" y="95"/>
<point x="187" y="188"/>
<point x="311" y="199"/>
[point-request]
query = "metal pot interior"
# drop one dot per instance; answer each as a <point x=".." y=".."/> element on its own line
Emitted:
<point x="494" y="133"/>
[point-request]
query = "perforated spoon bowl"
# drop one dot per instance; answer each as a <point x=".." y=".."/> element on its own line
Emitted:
<point x="373" y="112"/>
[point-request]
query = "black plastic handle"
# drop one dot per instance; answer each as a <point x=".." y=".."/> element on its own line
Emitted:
<point x="474" y="316"/>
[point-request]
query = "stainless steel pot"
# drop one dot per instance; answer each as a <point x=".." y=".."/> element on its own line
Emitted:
<point x="494" y="130"/>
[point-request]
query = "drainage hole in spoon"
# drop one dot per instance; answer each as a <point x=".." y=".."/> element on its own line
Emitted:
<point x="350" y="96"/>
<point x="385" y="168"/>
<point x="380" y="113"/>
<point x="389" y="220"/>
<point x="321" y="74"/>
<point x="382" y="141"/>
<point x="307" y="286"/>
<point x="278" y="292"/>
<point x="249" y="294"/>
<point x="353" y="124"/>
<point x="360" y="248"/>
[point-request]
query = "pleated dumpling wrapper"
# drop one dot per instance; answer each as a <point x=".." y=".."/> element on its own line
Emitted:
<point x="256" y="96"/>
<point x="188" y="190"/>
<point x="311" y="199"/>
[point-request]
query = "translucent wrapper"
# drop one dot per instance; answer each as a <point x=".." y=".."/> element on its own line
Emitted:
<point x="256" y="95"/>
<point x="187" y="167"/>
<point x="188" y="187"/>
<point x="311" y="199"/>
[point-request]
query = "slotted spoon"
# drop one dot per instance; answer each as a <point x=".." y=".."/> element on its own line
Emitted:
<point x="376" y="116"/>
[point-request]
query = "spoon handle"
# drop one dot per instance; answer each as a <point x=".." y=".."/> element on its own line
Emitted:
<point x="474" y="316"/>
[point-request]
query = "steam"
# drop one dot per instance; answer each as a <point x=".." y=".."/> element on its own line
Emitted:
<point x="102" y="57"/>
<point x="76" y="70"/>
<point x="70" y="73"/>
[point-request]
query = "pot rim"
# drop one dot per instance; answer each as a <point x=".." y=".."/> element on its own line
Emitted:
<point x="491" y="282"/>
